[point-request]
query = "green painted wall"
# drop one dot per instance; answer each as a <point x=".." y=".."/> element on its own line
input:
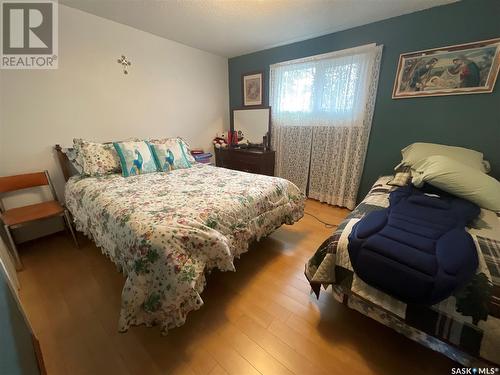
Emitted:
<point x="464" y="120"/>
<point x="17" y="354"/>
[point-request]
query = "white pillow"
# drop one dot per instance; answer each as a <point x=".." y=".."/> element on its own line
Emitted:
<point x="419" y="150"/>
<point x="458" y="179"/>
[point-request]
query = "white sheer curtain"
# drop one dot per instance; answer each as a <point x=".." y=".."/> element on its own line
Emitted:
<point x="322" y="109"/>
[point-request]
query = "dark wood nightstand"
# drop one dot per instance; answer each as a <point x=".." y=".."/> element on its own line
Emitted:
<point x="246" y="160"/>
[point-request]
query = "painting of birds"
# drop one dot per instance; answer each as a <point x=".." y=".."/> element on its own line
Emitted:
<point x="137" y="164"/>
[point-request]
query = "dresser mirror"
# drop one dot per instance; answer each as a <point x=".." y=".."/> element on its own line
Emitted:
<point x="254" y="123"/>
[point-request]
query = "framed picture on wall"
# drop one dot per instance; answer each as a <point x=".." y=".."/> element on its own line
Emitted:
<point x="470" y="68"/>
<point x="251" y="84"/>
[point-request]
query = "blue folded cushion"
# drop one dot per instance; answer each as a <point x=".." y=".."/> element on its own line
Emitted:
<point x="417" y="249"/>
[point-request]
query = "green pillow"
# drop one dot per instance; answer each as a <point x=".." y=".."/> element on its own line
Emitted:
<point x="419" y="150"/>
<point x="458" y="179"/>
<point x="135" y="158"/>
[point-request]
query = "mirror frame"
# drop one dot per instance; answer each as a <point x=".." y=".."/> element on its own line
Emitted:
<point x="231" y="120"/>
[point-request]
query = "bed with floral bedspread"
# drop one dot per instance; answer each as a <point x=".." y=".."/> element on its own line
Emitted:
<point x="166" y="230"/>
<point x="464" y="327"/>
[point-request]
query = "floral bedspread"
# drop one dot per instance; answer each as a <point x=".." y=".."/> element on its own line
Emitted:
<point x="464" y="327"/>
<point x="165" y="230"/>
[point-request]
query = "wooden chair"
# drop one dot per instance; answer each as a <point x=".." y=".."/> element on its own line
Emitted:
<point x="20" y="216"/>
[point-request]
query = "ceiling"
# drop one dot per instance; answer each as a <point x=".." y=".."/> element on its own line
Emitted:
<point x="235" y="27"/>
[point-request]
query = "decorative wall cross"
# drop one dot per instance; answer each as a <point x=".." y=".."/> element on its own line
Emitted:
<point x="125" y="63"/>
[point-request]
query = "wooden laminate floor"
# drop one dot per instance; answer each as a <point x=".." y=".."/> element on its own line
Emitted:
<point x="259" y="320"/>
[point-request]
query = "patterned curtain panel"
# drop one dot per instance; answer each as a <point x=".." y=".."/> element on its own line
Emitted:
<point x="322" y="109"/>
<point x="338" y="162"/>
<point x="294" y="145"/>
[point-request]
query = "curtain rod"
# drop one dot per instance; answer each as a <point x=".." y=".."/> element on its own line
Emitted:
<point x="339" y="53"/>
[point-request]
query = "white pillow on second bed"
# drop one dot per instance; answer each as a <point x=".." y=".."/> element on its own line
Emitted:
<point x="458" y="179"/>
<point x="419" y="150"/>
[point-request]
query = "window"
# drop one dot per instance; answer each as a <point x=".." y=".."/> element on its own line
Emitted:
<point x="321" y="90"/>
<point x="322" y="108"/>
<point x="337" y="95"/>
<point x="297" y="90"/>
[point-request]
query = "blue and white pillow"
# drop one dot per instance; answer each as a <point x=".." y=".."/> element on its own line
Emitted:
<point x="135" y="158"/>
<point x="170" y="155"/>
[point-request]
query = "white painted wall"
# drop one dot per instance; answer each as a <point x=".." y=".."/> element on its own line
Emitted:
<point x="171" y="90"/>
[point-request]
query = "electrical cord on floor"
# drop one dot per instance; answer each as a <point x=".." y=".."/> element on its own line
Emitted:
<point x="327" y="225"/>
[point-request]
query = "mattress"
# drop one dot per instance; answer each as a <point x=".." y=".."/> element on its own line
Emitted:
<point x="465" y="326"/>
<point x="165" y="231"/>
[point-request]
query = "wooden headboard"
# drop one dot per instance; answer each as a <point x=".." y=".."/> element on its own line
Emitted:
<point x="64" y="162"/>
